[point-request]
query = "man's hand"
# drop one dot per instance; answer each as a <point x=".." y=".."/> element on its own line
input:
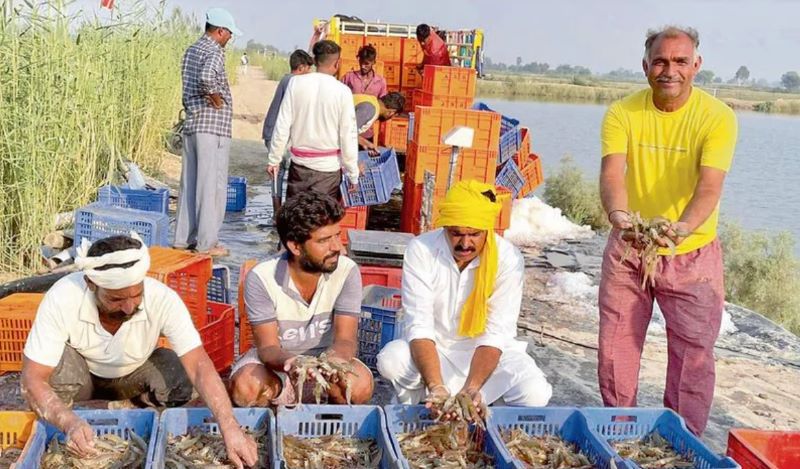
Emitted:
<point x="474" y="395"/>
<point x="242" y="449"/>
<point x="437" y="396"/>
<point x="272" y="171"/>
<point x="80" y="437"/>
<point x="678" y="232"/>
<point x="215" y="100"/>
<point x="620" y="219"/>
<point x="352" y="188"/>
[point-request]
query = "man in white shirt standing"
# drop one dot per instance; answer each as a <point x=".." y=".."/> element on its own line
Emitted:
<point x="318" y="118"/>
<point x="95" y="337"/>
<point x="462" y="289"/>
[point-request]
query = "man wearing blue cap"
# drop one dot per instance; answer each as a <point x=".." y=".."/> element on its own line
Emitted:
<point x="206" y="137"/>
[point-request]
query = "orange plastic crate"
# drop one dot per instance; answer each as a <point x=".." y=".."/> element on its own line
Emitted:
<point x="354" y="218"/>
<point x="421" y="98"/>
<point x="378" y="275"/>
<point x="351" y="65"/>
<point x="392" y="72"/>
<point x="431" y="124"/>
<point x="412" y="204"/>
<point x="532" y="172"/>
<point x="758" y="449"/>
<point x="394" y="133"/>
<point x="412" y="51"/>
<point x="389" y="48"/>
<point x="411" y="77"/>
<point x="245" y="331"/>
<point x="16" y="429"/>
<point x="186" y="273"/>
<point x="408" y="94"/>
<point x="17" y="313"/>
<point x="480" y="165"/>
<point x="350" y="45"/>
<point x="449" y="81"/>
<point x="217" y="336"/>
<point x="521" y="156"/>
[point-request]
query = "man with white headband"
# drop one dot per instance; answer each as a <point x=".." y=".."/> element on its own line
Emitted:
<point x="95" y="337"/>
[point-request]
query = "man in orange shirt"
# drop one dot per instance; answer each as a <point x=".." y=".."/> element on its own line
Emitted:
<point x="666" y="150"/>
<point x="433" y="47"/>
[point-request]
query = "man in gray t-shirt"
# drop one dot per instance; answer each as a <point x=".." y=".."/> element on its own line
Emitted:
<point x="304" y="301"/>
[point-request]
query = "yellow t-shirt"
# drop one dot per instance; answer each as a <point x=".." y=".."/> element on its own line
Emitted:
<point x="665" y="152"/>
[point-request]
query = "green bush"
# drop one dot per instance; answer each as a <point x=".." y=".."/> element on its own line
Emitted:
<point x="577" y="197"/>
<point x="762" y="273"/>
<point x="274" y="67"/>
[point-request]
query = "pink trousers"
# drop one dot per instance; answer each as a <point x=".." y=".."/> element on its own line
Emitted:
<point x="689" y="290"/>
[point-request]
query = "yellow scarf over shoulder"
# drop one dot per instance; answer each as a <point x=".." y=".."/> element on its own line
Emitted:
<point x="466" y="205"/>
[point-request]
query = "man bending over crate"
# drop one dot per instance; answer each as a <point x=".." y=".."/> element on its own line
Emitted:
<point x="303" y="301"/>
<point x="462" y="288"/>
<point x="370" y="109"/>
<point x="95" y="336"/>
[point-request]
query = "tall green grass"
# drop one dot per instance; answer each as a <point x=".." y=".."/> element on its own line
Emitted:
<point x="577" y="197"/>
<point x="76" y="96"/>
<point x="762" y="273"/>
<point x="274" y="67"/>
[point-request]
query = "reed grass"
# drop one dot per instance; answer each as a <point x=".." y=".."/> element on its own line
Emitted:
<point x="77" y="95"/>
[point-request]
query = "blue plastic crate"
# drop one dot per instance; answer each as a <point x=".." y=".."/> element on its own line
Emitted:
<point x="144" y="422"/>
<point x="622" y="423"/>
<point x="219" y="285"/>
<point x="361" y="421"/>
<point x="178" y="421"/>
<point x="511" y="178"/>
<point x="565" y="422"/>
<point x="98" y="220"/>
<point x="237" y="194"/>
<point x="409" y="418"/>
<point x="510" y="134"/>
<point x="155" y="200"/>
<point x="376" y="328"/>
<point x="379" y="176"/>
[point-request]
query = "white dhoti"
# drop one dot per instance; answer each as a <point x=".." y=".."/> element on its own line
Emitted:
<point x="516" y="381"/>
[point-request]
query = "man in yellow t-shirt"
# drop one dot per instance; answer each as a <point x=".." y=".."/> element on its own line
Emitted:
<point x="666" y="151"/>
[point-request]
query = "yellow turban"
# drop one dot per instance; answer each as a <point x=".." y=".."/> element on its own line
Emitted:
<point x="465" y="205"/>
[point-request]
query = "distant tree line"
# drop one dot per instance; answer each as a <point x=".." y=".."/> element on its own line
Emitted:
<point x="789" y="81"/>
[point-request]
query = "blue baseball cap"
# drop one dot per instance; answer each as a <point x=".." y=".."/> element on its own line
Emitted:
<point x="222" y="18"/>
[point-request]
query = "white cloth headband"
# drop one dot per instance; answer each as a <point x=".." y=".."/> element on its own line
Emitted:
<point x="117" y="277"/>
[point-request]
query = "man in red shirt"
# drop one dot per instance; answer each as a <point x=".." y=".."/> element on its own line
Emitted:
<point x="433" y="47"/>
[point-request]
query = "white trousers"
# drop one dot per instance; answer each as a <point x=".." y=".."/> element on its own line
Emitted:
<point x="516" y="380"/>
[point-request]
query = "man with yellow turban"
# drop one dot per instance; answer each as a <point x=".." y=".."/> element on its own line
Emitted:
<point x="462" y="289"/>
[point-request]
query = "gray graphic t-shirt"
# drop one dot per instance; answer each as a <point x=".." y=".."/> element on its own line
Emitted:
<point x="303" y="328"/>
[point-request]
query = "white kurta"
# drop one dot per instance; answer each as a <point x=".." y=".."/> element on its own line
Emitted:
<point x="434" y="292"/>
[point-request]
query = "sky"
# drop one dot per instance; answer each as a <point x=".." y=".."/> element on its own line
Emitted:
<point x="603" y="35"/>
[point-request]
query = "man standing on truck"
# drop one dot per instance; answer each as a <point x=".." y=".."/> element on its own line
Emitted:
<point x="666" y="150"/>
<point x="318" y="117"/>
<point x="434" y="49"/>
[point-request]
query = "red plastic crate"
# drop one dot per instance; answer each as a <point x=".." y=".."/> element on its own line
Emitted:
<point x="383" y="276"/>
<point x="389" y="48"/>
<point x="412" y="51"/>
<point x="394" y="133"/>
<point x="422" y="98"/>
<point x="431" y="124"/>
<point x="392" y="72"/>
<point x="17" y="313"/>
<point x="408" y="94"/>
<point x="411" y="77"/>
<point x="186" y="273"/>
<point x="532" y="172"/>
<point x="759" y="449"/>
<point x="472" y="164"/>
<point x="521" y="156"/>
<point x="245" y="331"/>
<point x="217" y="336"/>
<point x="412" y="204"/>
<point x="354" y="218"/>
<point x="449" y="81"/>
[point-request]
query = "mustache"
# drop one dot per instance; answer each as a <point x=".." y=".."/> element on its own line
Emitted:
<point x="462" y="249"/>
<point x="664" y="79"/>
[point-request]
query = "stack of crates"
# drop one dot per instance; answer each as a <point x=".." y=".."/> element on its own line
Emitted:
<point x="186" y="273"/>
<point x="120" y="210"/>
